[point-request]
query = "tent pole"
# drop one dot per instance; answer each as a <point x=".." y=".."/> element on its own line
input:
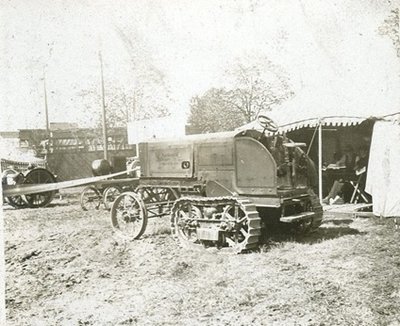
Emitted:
<point x="320" y="161"/>
<point x="312" y="140"/>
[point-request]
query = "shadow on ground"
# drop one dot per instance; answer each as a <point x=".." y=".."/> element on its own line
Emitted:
<point x="7" y="207"/>
<point x="328" y="233"/>
<point x="338" y="221"/>
<point x="330" y="229"/>
<point x="57" y="204"/>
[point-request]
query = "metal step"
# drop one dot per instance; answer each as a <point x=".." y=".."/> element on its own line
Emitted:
<point x="296" y="218"/>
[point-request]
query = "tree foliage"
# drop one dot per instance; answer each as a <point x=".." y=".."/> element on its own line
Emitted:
<point x="148" y="96"/>
<point x="123" y="105"/>
<point x="253" y="88"/>
<point x="391" y="28"/>
<point x="211" y="112"/>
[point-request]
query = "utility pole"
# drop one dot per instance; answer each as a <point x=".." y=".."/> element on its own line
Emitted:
<point x="46" y="109"/>
<point x="134" y="119"/>
<point x="103" y="103"/>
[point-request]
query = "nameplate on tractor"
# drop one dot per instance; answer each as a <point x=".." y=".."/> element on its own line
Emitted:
<point x="207" y="234"/>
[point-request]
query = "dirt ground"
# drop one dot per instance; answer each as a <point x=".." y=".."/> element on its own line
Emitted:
<point x="65" y="266"/>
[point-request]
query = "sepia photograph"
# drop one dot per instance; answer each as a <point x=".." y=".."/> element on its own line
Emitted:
<point x="210" y="162"/>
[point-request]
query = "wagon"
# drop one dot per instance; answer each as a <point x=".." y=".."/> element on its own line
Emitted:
<point x="104" y="192"/>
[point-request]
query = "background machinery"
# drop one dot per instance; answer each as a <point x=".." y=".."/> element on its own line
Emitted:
<point x="31" y="175"/>
<point x="104" y="193"/>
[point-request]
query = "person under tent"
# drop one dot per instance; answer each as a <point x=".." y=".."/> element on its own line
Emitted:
<point x="356" y="164"/>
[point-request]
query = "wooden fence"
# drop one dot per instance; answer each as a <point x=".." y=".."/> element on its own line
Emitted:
<point x="19" y="165"/>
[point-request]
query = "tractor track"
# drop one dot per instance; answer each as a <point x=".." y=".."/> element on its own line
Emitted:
<point x="253" y="223"/>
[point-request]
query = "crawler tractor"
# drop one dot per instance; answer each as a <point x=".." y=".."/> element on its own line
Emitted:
<point x="222" y="189"/>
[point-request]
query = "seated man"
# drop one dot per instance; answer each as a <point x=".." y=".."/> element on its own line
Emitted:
<point x="360" y="168"/>
<point x="361" y="160"/>
<point x="347" y="161"/>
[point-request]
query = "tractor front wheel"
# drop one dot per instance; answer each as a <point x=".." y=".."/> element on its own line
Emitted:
<point x="129" y="215"/>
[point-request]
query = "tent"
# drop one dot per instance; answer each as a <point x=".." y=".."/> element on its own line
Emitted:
<point x="383" y="177"/>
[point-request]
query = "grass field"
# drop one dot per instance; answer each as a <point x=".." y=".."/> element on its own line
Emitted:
<point x="65" y="267"/>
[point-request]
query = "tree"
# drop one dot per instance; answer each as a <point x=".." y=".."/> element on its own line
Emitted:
<point x="256" y="90"/>
<point x="391" y="28"/>
<point x="254" y="87"/>
<point x="212" y="113"/>
<point x="148" y="96"/>
<point x="151" y="93"/>
<point x="123" y="105"/>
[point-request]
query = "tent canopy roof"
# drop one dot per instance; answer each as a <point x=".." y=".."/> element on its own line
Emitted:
<point x="285" y="126"/>
<point x="306" y="112"/>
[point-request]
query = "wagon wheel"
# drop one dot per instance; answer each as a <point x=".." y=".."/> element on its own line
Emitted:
<point x="39" y="176"/>
<point x="17" y="201"/>
<point x="129" y="215"/>
<point x="14" y="201"/>
<point x="90" y="198"/>
<point x="109" y="196"/>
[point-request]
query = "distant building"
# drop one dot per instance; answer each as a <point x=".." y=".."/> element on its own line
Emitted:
<point x="86" y="139"/>
<point x="31" y="140"/>
<point x="63" y="137"/>
<point x="63" y="125"/>
<point x="67" y="149"/>
<point x="9" y="138"/>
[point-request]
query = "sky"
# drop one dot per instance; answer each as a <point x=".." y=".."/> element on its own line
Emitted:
<point x="329" y="49"/>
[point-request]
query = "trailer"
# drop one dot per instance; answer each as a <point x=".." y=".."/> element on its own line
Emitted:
<point x="104" y="192"/>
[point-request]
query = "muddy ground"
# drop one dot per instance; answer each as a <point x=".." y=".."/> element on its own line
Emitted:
<point x="65" y="266"/>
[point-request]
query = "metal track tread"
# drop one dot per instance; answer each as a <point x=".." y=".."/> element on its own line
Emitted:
<point x="251" y="218"/>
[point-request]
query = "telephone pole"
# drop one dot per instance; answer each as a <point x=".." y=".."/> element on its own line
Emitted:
<point x="46" y="109"/>
<point x="103" y="104"/>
